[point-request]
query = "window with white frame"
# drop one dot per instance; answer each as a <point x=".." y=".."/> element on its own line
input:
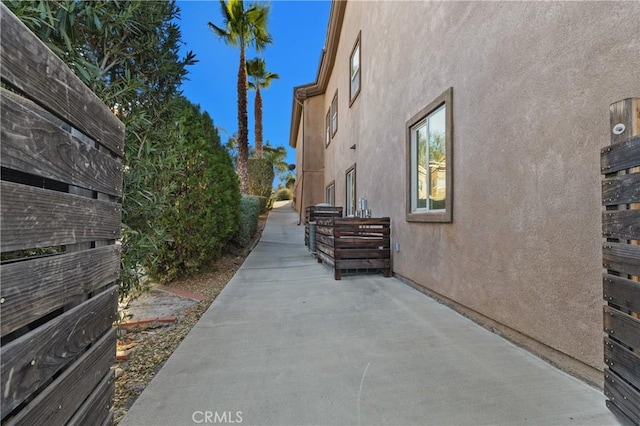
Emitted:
<point x="327" y="132"/>
<point x="350" y="193"/>
<point x="354" y="84"/>
<point x="429" y="165"/>
<point x="334" y="114"/>
<point x="330" y="194"/>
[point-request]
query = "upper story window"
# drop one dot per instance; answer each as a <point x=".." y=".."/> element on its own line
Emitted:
<point x="350" y="194"/>
<point x="327" y="129"/>
<point x="429" y="162"/>
<point x="354" y="84"/>
<point x="334" y="114"/>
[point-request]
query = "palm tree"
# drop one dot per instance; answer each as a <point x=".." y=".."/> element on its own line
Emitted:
<point x="260" y="78"/>
<point x="245" y="29"/>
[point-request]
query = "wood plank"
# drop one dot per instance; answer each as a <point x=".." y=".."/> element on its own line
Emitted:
<point x="620" y="257"/>
<point x="620" y="416"/>
<point x="324" y="230"/>
<point x="621" y="292"/>
<point x="620" y="156"/>
<point x="361" y="243"/>
<point x="323" y="239"/>
<point x="324" y="222"/>
<point x="350" y="221"/>
<point x="627" y="112"/>
<point x="34" y="145"/>
<point x="98" y="405"/>
<point x="624" y="189"/>
<point x="29" y="66"/>
<point x="621" y="360"/>
<point x="34" y="217"/>
<point x="34" y="358"/>
<point x="33" y="288"/>
<point x="65" y="394"/>
<point x="362" y="263"/>
<point x="326" y="259"/>
<point x="622" y="327"/>
<point x="326" y="250"/>
<point x="622" y="224"/>
<point x="362" y="254"/>
<point x="624" y="396"/>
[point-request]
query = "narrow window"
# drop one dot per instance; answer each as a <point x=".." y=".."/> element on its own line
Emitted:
<point x="350" y="199"/>
<point x="334" y="114"/>
<point x="330" y="194"/>
<point x="429" y="163"/>
<point x="354" y="86"/>
<point x="327" y="125"/>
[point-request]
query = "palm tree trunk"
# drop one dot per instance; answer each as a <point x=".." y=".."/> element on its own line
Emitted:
<point x="258" y="124"/>
<point x="243" y="137"/>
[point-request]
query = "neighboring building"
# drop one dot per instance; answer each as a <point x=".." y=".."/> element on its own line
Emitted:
<point x="477" y="127"/>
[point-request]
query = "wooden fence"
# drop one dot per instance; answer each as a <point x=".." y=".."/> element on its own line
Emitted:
<point x="61" y="183"/>
<point x="312" y="213"/>
<point x="620" y="163"/>
<point x="354" y="243"/>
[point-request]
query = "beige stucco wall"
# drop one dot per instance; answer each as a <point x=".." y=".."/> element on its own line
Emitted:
<point x="532" y="83"/>
<point x="310" y="155"/>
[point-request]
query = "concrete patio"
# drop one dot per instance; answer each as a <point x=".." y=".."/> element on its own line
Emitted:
<point x="285" y="344"/>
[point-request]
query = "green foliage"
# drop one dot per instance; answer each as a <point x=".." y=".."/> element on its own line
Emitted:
<point x="260" y="177"/>
<point x="266" y="204"/>
<point x="177" y="179"/>
<point x="284" y="194"/>
<point x="201" y="211"/>
<point x="249" y="214"/>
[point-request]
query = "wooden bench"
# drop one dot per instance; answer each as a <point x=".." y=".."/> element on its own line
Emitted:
<point x="313" y="213"/>
<point x="354" y="243"/>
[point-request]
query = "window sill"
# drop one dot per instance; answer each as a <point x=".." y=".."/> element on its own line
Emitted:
<point x="435" y="217"/>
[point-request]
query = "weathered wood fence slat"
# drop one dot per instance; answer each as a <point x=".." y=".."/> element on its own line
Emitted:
<point x="620" y="163"/>
<point x="60" y="198"/>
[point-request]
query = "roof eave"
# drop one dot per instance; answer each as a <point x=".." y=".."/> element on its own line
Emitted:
<point x="327" y="60"/>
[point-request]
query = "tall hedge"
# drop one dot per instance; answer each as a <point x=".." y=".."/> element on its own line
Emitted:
<point x="201" y="215"/>
<point x="249" y="214"/>
<point x="260" y="177"/>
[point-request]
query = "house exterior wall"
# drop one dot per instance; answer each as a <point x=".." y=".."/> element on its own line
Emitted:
<point x="309" y="189"/>
<point x="532" y="83"/>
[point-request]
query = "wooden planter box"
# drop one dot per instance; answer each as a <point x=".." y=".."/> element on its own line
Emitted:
<point x="354" y="243"/>
<point x="313" y="213"/>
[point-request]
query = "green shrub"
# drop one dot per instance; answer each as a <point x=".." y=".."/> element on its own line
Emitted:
<point x="264" y="204"/>
<point x="260" y="176"/>
<point x="201" y="213"/>
<point x="249" y="213"/>
<point x="270" y="203"/>
<point x="284" y="194"/>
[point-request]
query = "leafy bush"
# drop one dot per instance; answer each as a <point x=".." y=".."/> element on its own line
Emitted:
<point x="264" y="204"/>
<point x="260" y="176"/>
<point x="249" y="213"/>
<point x="201" y="212"/>
<point x="284" y="194"/>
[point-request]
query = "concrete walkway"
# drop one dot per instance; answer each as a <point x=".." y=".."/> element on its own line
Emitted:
<point x="285" y="344"/>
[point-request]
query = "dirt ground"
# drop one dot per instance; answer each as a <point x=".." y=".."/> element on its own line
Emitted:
<point x="148" y="347"/>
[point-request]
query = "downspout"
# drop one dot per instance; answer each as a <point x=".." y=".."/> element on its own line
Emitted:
<point x="303" y="169"/>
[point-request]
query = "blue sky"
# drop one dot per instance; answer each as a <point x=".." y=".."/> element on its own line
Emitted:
<point x="298" y="29"/>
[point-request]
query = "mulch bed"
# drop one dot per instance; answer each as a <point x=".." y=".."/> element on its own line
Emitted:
<point x="152" y="346"/>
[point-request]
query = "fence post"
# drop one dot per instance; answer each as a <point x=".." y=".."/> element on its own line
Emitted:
<point x="620" y="163"/>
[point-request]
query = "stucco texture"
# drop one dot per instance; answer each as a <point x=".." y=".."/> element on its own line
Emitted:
<point x="532" y="83"/>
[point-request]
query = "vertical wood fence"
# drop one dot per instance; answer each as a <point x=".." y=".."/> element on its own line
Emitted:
<point x="620" y="163"/>
<point x="61" y="183"/>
